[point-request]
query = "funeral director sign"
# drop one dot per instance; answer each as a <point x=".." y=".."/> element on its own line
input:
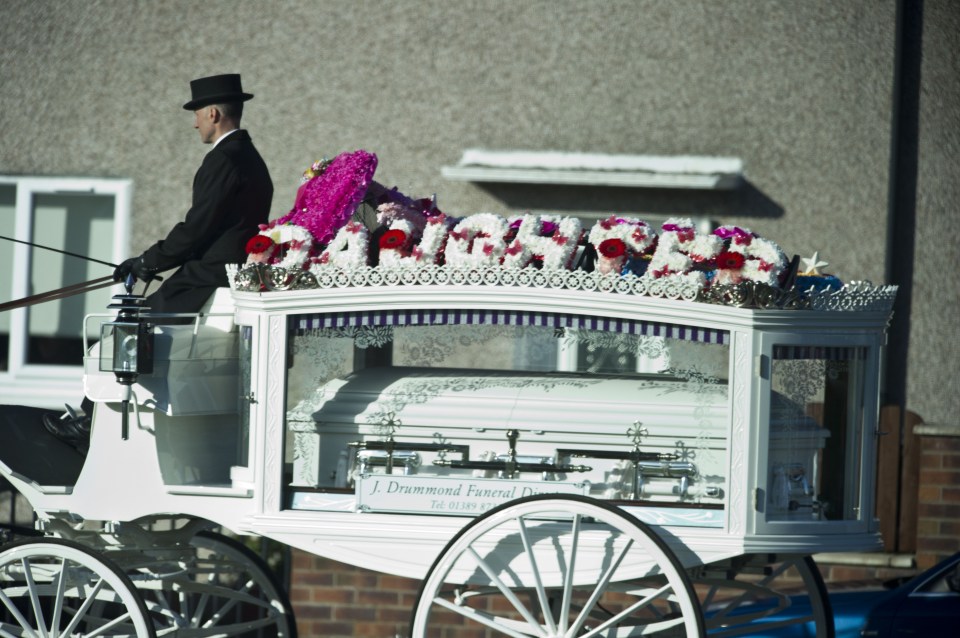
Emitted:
<point x="454" y="496"/>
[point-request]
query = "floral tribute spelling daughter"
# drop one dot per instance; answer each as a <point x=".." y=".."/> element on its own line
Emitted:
<point x="318" y="233"/>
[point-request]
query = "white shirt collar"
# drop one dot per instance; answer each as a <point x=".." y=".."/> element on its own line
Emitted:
<point x="220" y="139"/>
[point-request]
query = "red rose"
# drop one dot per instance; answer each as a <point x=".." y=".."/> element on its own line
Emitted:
<point x="729" y="260"/>
<point x="612" y="248"/>
<point x="392" y="239"/>
<point x="259" y="244"/>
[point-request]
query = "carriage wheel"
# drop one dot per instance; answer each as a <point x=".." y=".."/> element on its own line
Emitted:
<point x="218" y="588"/>
<point x="557" y="566"/>
<point x="57" y="588"/>
<point x="747" y="594"/>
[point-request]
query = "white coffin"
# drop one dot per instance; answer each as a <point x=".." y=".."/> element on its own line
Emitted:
<point x="550" y="412"/>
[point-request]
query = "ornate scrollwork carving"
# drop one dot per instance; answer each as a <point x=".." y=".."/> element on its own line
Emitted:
<point x="857" y="296"/>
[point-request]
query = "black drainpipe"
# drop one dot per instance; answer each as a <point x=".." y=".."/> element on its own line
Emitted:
<point x="902" y="202"/>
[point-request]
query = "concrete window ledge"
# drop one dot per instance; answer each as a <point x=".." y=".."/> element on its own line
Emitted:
<point x="936" y="429"/>
<point x="597" y="169"/>
<point x="867" y="559"/>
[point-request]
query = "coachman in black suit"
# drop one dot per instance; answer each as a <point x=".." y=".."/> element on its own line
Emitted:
<point x="232" y="193"/>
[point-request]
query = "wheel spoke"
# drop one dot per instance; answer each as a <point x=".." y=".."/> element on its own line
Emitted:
<point x="200" y="608"/>
<point x="34" y="597"/>
<point x="599" y="589"/>
<point x="476" y="616"/>
<point x="15" y="612"/>
<point x="84" y="608"/>
<point x="749" y="602"/>
<point x="568" y="580"/>
<point x="538" y="582"/>
<point x="58" y="596"/>
<point x="220" y="589"/>
<point x="593" y="569"/>
<point x="506" y="591"/>
<point x="58" y="582"/>
<point x="629" y="611"/>
<point x="160" y="605"/>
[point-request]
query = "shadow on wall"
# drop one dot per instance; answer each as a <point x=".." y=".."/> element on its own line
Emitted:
<point x="745" y="201"/>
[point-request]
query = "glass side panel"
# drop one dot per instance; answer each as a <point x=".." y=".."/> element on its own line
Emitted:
<point x="816" y="433"/>
<point x="196" y="392"/>
<point x="245" y="394"/>
<point x="616" y="410"/>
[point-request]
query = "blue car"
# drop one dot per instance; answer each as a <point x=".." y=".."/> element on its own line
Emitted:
<point x="925" y="606"/>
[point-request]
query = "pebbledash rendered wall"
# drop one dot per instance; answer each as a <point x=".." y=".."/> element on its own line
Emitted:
<point x="803" y="92"/>
<point x="806" y="94"/>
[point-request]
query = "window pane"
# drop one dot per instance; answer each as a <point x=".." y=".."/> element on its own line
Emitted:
<point x="80" y="223"/>
<point x="8" y="202"/>
<point x="816" y="411"/>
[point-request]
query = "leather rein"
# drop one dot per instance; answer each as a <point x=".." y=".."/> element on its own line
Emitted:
<point x="59" y="293"/>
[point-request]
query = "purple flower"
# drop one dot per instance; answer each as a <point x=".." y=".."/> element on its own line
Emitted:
<point x="726" y="232"/>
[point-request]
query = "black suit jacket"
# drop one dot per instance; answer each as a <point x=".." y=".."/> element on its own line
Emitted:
<point x="232" y="194"/>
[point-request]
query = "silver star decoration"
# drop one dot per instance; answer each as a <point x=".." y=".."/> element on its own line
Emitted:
<point x="812" y="265"/>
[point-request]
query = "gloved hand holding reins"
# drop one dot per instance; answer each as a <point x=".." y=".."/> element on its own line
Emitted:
<point x="136" y="267"/>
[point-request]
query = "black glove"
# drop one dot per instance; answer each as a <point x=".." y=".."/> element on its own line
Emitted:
<point x="133" y="265"/>
<point x="125" y="268"/>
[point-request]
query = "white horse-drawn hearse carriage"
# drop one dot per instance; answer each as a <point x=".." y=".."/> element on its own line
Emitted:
<point x="553" y="452"/>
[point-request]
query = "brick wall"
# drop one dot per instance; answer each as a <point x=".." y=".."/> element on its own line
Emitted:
<point x="333" y="600"/>
<point x="851" y="571"/>
<point x="938" y="510"/>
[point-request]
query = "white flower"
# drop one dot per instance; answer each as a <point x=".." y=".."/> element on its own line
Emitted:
<point x="557" y="250"/>
<point x="293" y="245"/>
<point x="477" y="241"/>
<point x="681" y="247"/>
<point x="348" y="249"/>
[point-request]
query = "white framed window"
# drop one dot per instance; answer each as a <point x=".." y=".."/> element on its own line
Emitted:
<point x="41" y="346"/>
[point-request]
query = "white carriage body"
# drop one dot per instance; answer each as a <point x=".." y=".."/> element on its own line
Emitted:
<point x="369" y="423"/>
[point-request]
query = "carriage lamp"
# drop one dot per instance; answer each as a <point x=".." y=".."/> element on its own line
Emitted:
<point x="126" y="347"/>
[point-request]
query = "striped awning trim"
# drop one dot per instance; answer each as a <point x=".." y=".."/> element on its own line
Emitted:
<point x="304" y="323"/>
<point x="822" y="353"/>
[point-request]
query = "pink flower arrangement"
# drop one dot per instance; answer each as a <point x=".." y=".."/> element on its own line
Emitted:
<point x="326" y="201"/>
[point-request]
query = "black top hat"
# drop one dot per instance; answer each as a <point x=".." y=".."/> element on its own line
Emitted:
<point x="216" y="89"/>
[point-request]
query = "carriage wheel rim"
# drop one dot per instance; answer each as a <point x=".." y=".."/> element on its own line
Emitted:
<point x="58" y="588"/>
<point x="229" y="591"/>
<point x="739" y="607"/>
<point x="579" y="524"/>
